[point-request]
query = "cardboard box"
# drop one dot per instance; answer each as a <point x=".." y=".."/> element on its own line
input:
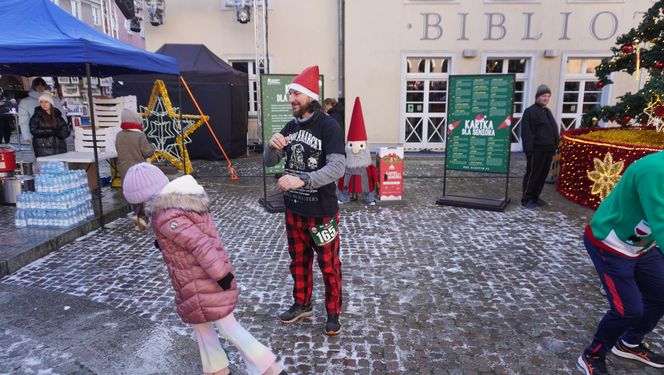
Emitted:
<point x="390" y="173"/>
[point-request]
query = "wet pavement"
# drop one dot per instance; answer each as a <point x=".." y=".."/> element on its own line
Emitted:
<point x="427" y="289"/>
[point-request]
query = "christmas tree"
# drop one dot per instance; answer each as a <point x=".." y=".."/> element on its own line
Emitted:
<point x="640" y="48"/>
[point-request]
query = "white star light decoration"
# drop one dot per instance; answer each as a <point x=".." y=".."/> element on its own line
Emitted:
<point x="162" y="127"/>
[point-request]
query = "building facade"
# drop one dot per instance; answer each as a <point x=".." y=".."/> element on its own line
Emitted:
<point x="105" y="17"/>
<point x="397" y="55"/>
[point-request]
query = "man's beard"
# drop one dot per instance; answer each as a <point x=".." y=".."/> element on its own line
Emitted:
<point x="304" y="108"/>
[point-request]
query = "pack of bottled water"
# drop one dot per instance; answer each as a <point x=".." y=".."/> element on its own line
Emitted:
<point x="62" y="199"/>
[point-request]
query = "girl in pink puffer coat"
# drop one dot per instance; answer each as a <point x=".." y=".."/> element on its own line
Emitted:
<point x="201" y="273"/>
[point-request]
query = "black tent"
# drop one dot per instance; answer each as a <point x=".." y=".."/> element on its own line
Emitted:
<point x="221" y="92"/>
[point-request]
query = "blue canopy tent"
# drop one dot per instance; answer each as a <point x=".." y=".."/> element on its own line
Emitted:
<point x="47" y="41"/>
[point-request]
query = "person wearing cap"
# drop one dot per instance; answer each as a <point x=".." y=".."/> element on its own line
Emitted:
<point x="206" y="289"/>
<point x="361" y="173"/>
<point x="26" y="108"/>
<point x="624" y="241"/>
<point x="49" y="130"/>
<point x="313" y="146"/>
<point x="133" y="148"/>
<point x="540" y="136"/>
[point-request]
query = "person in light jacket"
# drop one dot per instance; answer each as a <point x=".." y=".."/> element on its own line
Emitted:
<point x="26" y="108"/>
<point x="206" y="291"/>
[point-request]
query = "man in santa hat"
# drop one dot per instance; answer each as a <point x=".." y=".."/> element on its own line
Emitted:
<point x="361" y="173"/>
<point x="313" y="145"/>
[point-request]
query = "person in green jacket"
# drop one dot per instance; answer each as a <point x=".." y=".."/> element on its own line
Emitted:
<point x="623" y="240"/>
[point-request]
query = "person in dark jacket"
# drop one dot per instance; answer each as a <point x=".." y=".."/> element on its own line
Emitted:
<point x="335" y="110"/>
<point x="49" y="130"/>
<point x="313" y="146"/>
<point x="6" y="119"/>
<point x="540" y="136"/>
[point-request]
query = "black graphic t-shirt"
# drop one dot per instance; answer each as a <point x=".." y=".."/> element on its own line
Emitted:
<point x="309" y="142"/>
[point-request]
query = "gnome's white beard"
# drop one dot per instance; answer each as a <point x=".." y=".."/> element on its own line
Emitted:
<point x="361" y="159"/>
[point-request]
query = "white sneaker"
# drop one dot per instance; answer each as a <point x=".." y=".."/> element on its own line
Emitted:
<point x="141" y="224"/>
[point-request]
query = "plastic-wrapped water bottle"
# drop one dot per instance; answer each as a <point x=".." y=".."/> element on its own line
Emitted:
<point x="20" y="218"/>
<point x="36" y="217"/>
<point x="25" y="200"/>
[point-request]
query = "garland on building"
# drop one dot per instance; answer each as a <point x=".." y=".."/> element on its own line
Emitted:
<point x="640" y="48"/>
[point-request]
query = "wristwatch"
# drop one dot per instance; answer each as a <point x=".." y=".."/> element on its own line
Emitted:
<point x="306" y="179"/>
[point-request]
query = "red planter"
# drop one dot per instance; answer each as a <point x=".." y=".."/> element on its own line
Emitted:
<point x="577" y="157"/>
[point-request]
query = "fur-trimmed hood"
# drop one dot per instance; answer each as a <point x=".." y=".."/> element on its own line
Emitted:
<point x="183" y="193"/>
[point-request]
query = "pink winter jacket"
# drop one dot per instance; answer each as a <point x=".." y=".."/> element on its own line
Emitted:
<point x="193" y="252"/>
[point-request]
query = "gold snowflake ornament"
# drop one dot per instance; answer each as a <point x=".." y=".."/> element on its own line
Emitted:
<point x="605" y="176"/>
<point x="651" y="111"/>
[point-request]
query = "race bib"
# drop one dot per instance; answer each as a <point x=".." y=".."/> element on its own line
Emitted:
<point x="324" y="233"/>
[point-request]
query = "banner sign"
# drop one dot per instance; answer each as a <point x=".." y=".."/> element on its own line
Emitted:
<point x="479" y="122"/>
<point x="276" y="108"/>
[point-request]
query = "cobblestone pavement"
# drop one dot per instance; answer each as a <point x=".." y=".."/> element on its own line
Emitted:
<point x="427" y="289"/>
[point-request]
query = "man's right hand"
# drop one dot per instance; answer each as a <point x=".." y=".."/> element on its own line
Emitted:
<point x="278" y="142"/>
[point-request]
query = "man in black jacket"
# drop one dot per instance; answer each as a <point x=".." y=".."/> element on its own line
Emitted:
<point x="540" y="136"/>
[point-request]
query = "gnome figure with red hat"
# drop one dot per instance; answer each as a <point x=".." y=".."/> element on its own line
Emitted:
<point x="361" y="173"/>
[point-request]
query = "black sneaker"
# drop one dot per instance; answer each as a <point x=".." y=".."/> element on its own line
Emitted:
<point x="295" y="312"/>
<point x="332" y="326"/>
<point x="641" y="353"/>
<point x="592" y="364"/>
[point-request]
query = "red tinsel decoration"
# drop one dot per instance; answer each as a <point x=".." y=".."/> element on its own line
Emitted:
<point x="577" y="159"/>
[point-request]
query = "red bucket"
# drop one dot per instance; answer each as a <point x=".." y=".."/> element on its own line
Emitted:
<point x="7" y="160"/>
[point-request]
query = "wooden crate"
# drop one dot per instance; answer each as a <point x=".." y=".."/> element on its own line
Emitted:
<point x="107" y="120"/>
<point x="108" y="110"/>
<point x="83" y="140"/>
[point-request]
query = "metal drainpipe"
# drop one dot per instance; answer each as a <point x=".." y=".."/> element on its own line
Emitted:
<point x="341" y="21"/>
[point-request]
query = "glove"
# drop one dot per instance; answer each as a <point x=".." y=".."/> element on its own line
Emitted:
<point x="225" y="283"/>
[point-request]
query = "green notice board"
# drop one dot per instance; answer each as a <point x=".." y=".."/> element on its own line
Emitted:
<point x="276" y="108"/>
<point x="479" y="122"/>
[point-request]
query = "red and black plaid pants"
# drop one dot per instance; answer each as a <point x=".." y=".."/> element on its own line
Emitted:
<point x="301" y="247"/>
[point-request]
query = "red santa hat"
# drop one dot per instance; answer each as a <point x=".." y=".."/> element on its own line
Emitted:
<point x="356" y="130"/>
<point x="307" y="82"/>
